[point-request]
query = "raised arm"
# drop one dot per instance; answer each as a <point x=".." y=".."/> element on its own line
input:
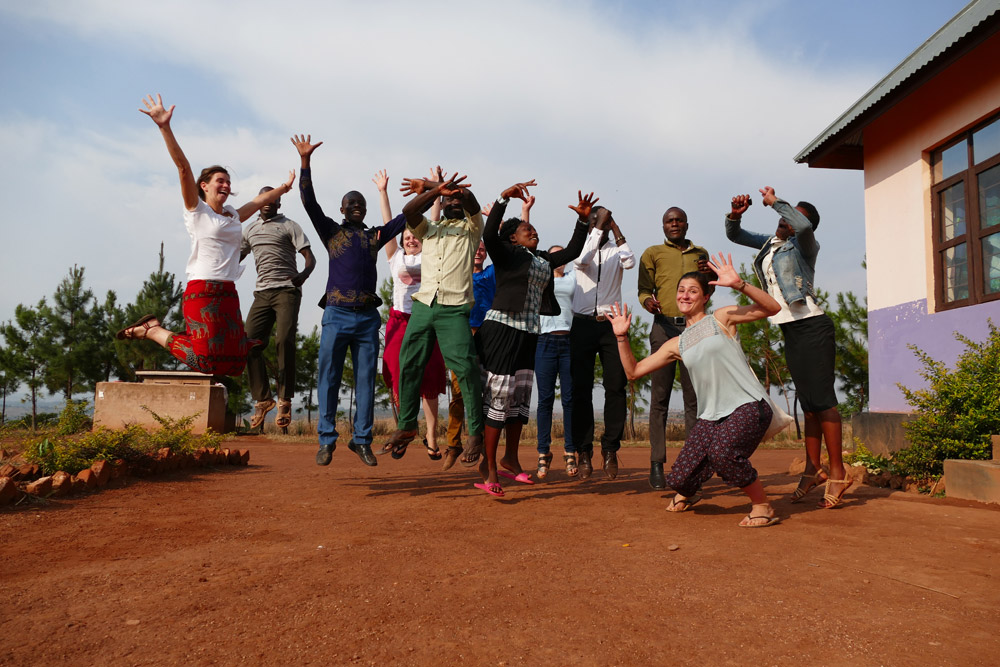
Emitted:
<point x="625" y="255"/>
<point x="620" y="320"/>
<point x="734" y="230"/>
<point x="763" y="304"/>
<point x="526" y="208"/>
<point x="162" y="116"/>
<point x="265" y="198"/>
<point x="575" y="245"/>
<point x="497" y="247"/>
<point x="805" y="236"/>
<point x="381" y="181"/>
<point x="426" y="191"/>
<point x="324" y="225"/>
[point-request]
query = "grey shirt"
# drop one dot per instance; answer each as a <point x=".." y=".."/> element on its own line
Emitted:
<point x="274" y="244"/>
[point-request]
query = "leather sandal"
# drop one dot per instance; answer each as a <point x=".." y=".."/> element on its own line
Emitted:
<point x="544" y="461"/>
<point x="284" y="416"/>
<point x="260" y="412"/>
<point x="806" y="484"/>
<point x="570" y="461"/>
<point x="130" y="333"/>
<point x="831" y="500"/>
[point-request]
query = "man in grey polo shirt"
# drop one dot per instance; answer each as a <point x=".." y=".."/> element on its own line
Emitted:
<point x="274" y="240"/>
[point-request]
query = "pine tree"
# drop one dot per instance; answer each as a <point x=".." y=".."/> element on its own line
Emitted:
<point x="161" y="295"/>
<point x="73" y="328"/>
<point x="25" y="354"/>
<point x="9" y="380"/>
<point x="638" y="335"/>
<point x="307" y="369"/>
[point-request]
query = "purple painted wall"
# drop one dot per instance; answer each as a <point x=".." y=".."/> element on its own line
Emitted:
<point x="890" y="330"/>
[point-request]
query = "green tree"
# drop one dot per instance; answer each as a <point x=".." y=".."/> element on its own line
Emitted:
<point x="28" y="360"/>
<point x="161" y="294"/>
<point x="9" y="380"/>
<point x="958" y="410"/>
<point x="307" y="370"/>
<point x="635" y="398"/>
<point x="73" y="327"/>
<point x="851" y="321"/>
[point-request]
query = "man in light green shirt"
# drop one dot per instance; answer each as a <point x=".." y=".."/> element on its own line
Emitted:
<point x="441" y="307"/>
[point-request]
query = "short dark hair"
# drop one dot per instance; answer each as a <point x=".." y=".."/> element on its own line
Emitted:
<point x="206" y="176"/>
<point x="508" y="227"/>
<point x="811" y="213"/>
<point x="702" y="279"/>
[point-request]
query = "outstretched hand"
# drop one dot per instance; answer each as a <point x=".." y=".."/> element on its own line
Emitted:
<point x="381" y="180"/>
<point x="291" y="179"/>
<point x="518" y="191"/>
<point x="486" y="209"/>
<point x="155" y="110"/>
<point x="740" y="205"/>
<point x="725" y="272"/>
<point x="303" y="144"/>
<point x="620" y="319"/>
<point x="768" y="195"/>
<point x="585" y="204"/>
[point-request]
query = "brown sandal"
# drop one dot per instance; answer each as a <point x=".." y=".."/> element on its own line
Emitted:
<point x="806" y="484"/>
<point x="284" y="416"/>
<point x="129" y="333"/>
<point x="260" y="412"/>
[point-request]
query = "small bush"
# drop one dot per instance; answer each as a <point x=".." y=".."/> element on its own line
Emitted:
<point x="74" y="418"/>
<point x="959" y="409"/>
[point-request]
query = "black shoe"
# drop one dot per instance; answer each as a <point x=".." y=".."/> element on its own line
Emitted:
<point x="325" y="455"/>
<point x="586" y="468"/>
<point x="656" y="479"/>
<point x="610" y="464"/>
<point x="364" y="453"/>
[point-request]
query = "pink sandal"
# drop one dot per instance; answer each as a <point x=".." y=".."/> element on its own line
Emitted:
<point x="492" y="488"/>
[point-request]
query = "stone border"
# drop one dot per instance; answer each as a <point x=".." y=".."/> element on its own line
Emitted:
<point x="16" y="483"/>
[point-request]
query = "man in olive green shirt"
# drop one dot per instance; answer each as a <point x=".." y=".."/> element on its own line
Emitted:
<point x="660" y="269"/>
<point x="441" y="306"/>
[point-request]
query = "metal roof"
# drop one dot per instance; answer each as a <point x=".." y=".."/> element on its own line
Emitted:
<point x="979" y="18"/>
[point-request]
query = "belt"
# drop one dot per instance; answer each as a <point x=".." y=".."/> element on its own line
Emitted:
<point x="594" y="318"/>
<point x="676" y="321"/>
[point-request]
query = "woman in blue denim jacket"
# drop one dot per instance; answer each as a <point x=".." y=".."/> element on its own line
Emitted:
<point x="786" y="266"/>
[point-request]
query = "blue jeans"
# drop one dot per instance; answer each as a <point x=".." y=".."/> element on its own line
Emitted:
<point x="552" y="361"/>
<point x="343" y="328"/>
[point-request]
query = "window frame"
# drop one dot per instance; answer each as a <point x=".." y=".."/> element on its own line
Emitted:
<point x="974" y="234"/>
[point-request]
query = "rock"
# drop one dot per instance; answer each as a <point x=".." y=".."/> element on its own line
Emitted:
<point x="27" y="473"/>
<point x="79" y="486"/>
<point x="233" y="457"/>
<point x="102" y="472"/>
<point x="911" y="486"/>
<point x="897" y="481"/>
<point x="858" y="474"/>
<point x="41" y="487"/>
<point x="62" y="483"/>
<point x="88" y="478"/>
<point x="798" y="466"/>
<point x="119" y="469"/>
<point x="673" y="547"/>
<point x="244" y="457"/>
<point x="8" y="491"/>
<point x="4" y="455"/>
<point x="940" y="487"/>
<point x="163" y="453"/>
<point x="7" y="470"/>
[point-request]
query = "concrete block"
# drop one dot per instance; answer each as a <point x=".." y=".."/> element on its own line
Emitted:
<point x="168" y="394"/>
<point x="973" y="480"/>
<point x="881" y="432"/>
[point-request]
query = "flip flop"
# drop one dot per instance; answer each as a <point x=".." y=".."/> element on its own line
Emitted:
<point x="687" y="503"/>
<point x="433" y="454"/>
<point x="523" y="478"/>
<point x="492" y="488"/>
<point x="397" y="444"/>
<point x="771" y="520"/>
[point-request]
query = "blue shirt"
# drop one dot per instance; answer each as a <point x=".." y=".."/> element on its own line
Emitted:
<point x="484" y="287"/>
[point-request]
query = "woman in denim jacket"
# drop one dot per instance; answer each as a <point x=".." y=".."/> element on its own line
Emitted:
<point x="786" y="267"/>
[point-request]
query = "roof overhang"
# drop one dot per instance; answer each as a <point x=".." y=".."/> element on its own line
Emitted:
<point x="841" y="145"/>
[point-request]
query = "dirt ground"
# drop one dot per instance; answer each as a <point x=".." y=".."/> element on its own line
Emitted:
<point x="285" y="562"/>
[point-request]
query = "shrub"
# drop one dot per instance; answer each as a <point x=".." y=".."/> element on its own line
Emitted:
<point x="73" y="418"/>
<point x="959" y="409"/>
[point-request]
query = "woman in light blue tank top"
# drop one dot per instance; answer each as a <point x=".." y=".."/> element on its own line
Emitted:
<point x="733" y="411"/>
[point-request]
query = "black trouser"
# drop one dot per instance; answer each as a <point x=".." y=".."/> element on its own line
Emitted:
<point x="662" y="384"/>
<point x="280" y="306"/>
<point x="590" y="338"/>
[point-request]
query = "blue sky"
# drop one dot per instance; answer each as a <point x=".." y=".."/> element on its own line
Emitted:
<point x="649" y="104"/>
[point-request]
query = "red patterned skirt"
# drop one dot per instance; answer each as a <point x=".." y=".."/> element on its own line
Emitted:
<point x="434" y="375"/>
<point x="215" y="342"/>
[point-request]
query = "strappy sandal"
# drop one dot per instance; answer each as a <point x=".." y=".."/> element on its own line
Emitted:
<point x="260" y="412"/>
<point x="806" y="484"/>
<point x="432" y="452"/>
<point x="544" y="461"/>
<point x="571" y="469"/>
<point x="284" y="416"/>
<point x="130" y="333"/>
<point x="831" y="500"/>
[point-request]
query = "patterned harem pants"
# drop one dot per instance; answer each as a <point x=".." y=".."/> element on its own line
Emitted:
<point x="215" y="342"/>
<point x="723" y="446"/>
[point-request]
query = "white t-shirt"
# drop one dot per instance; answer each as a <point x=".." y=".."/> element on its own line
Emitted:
<point x="790" y="312"/>
<point x="215" y="243"/>
<point x="405" y="272"/>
